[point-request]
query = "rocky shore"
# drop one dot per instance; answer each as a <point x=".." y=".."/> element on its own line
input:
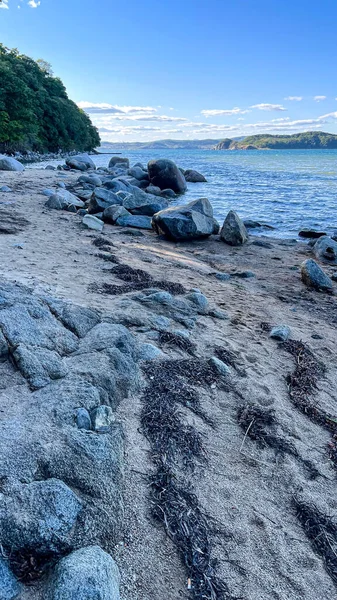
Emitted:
<point x="168" y="392"/>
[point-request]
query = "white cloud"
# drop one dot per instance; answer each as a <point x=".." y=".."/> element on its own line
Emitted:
<point x="4" y="4"/>
<point x="319" y="98"/>
<point x="268" y="107"/>
<point x="104" y="107"/>
<point x="294" y="98"/>
<point x="33" y="3"/>
<point x="217" y="112"/>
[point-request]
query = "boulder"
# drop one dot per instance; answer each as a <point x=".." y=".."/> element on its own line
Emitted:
<point x="86" y="574"/>
<point x="91" y="179"/>
<point x="193" y="176"/>
<point x="164" y="173"/>
<point x="140" y="221"/>
<point x="168" y="193"/>
<point x="314" y="277"/>
<point x="233" y="231"/>
<point x="154" y="190"/>
<point x="114" y="212"/>
<point x="139" y="202"/>
<point x="10" y="164"/>
<point x="39" y="515"/>
<point x="9" y="586"/>
<point x="138" y="173"/>
<point x="325" y="250"/>
<point x="311" y="234"/>
<point x="93" y="223"/>
<point x="102" y="199"/>
<point x="80" y="162"/>
<point x="191" y="221"/>
<point x="62" y="202"/>
<point x="118" y="160"/>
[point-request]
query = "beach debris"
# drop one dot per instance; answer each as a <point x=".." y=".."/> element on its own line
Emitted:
<point x="314" y="277"/>
<point x="233" y="231"/>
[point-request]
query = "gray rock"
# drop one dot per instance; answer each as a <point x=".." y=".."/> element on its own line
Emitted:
<point x="164" y="173"/>
<point x="140" y="221"/>
<point x="222" y="276"/>
<point x="119" y="161"/>
<point x="250" y="224"/>
<point x="39" y="365"/>
<point x="61" y="184"/>
<point x="9" y="586"/>
<point x="314" y="277"/>
<point x="233" y="231"/>
<point x="168" y="193"/>
<point x="191" y="221"/>
<point x="102" y="417"/>
<point x="80" y="162"/>
<point x="93" y="223"/>
<point x="92" y="179"/>
<point x="311" y="234"/>
<point x="141" y="203"/>
<point x="39" y="515"/>
<point x="86" y="574"/>
<point x="50" y="168"/>
<point x="280" y="332"/>
<point x="199" y="300"/>
<point x="220" y="366"/>
<point x="5" y="188"/>
<point x="244" y="274"/>
<point x="114" y="212"/>
<point x="8" y="163"/>
<point x="102" y="199"/>
<point x="138" y="173"/>
<point x="325" y="249"/>
<point x="149" y="352"/>
<point x="154" y="190"/>
<point x="64" y="200"/>
<point x="193" y="176"/>
<point x="83" y="420"/>
<point x="48" y="192"/>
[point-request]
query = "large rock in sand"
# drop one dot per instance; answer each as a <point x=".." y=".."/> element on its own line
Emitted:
<point x="139" y="202"/>
<point x="314" y="277"/>
<point x="190" y="221"/>
<point x="87" y="574"/>
<point x="325" y="250"/>
<point x="233" y="231"/>
<point x="102" y="199"/>
<point x="10" y="164"/>
<point x="165" y="174"/>
<point x="80" y="162"/>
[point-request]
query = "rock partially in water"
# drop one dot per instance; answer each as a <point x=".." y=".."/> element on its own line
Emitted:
<point x="193" y="176"/>
<point x="233" y="231"/>
<point x="314" y="277"/>
<point x="164" y="173"/>
<point x="86" y="574"/>
<point x="310" y="234"/>
<point x="119" y="161"/>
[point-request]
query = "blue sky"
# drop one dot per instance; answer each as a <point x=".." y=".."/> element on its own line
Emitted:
<point x="187" y="69"/>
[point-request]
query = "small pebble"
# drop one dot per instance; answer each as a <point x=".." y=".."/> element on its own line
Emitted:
<point x="83" y="420"/>
<point x="280" y="332"/>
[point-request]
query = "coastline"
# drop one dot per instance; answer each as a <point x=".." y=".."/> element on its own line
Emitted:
<point x="245" y="488"/>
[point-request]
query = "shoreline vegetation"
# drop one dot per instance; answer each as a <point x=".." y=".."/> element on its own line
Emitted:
<point x="36" y="114"/>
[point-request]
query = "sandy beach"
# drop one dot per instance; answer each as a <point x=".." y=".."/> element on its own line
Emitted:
<point x="248" y="488"/>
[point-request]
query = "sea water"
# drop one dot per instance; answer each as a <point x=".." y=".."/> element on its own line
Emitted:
<point x="287" y="189"/>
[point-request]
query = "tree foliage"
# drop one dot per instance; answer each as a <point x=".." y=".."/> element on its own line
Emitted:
<point x="35" y="111"/>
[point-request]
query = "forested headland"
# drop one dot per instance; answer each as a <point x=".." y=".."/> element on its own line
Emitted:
<point x="35" y="111"/>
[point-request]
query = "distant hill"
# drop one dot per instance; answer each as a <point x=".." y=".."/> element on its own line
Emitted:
<point x="297" y="141"/>
<point x="160" y="145"/>
<point x="35" y="111"/>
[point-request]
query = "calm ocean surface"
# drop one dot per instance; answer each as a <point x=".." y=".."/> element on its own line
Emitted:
<point x="288" y="189"/>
